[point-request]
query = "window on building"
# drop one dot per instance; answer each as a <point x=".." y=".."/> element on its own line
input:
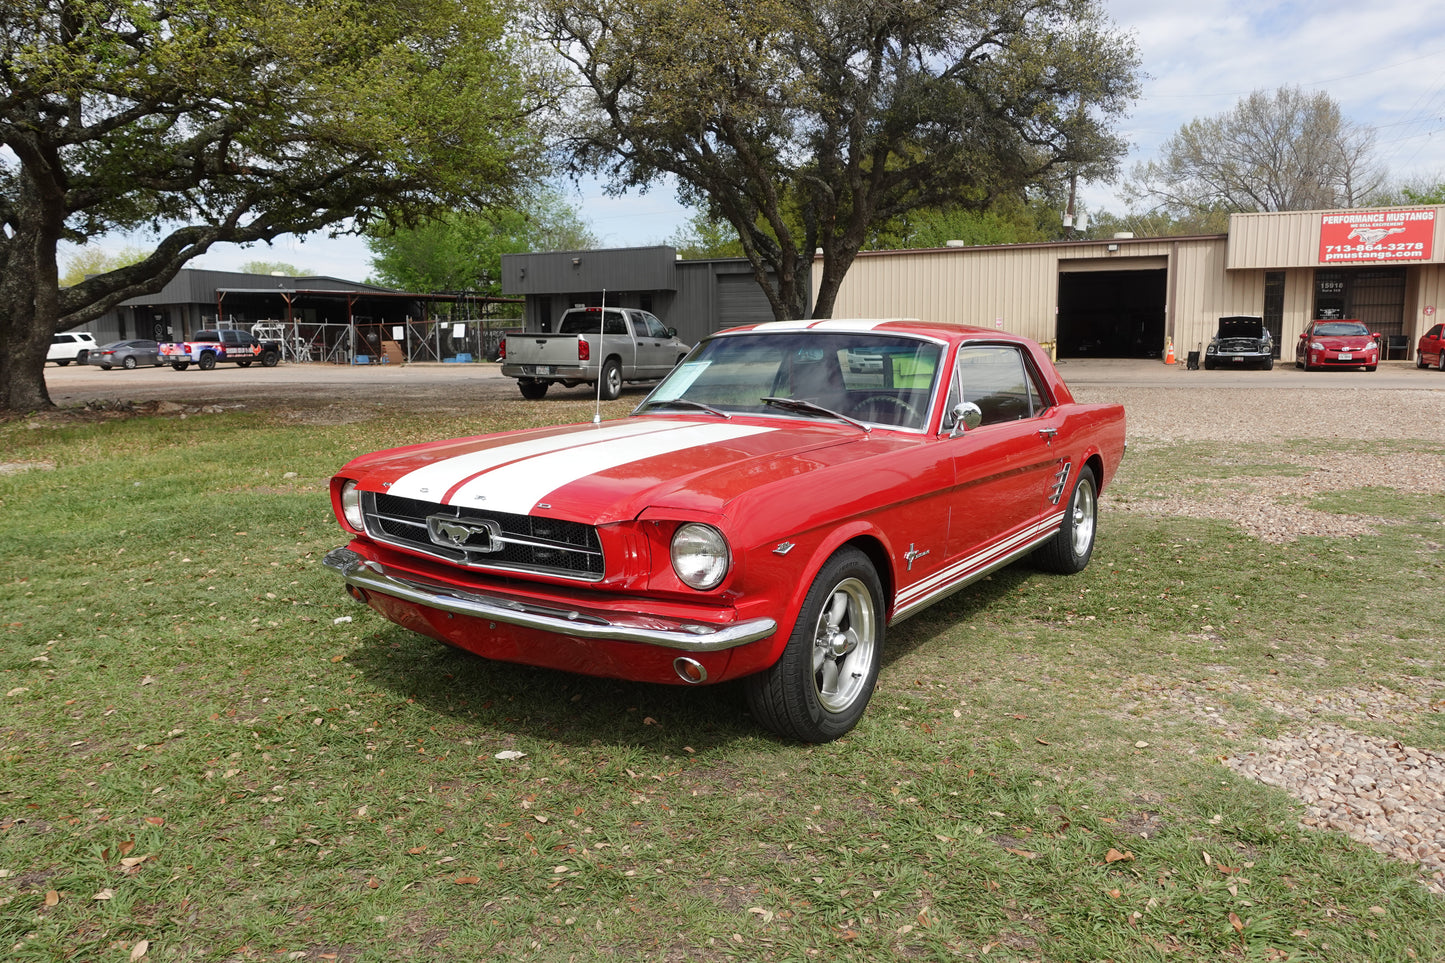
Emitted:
<point x="1274" y="306"/>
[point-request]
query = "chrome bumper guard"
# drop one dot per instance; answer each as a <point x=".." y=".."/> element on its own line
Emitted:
<point x="370" y="576"/>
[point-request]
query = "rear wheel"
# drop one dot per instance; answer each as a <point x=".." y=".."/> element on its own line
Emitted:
<point x="62" y="361"/>
<point x="533" y="390"/>
<point x="820" y="685"/>
<point x="207" y="361"/>
<point x="181" y="365"/>
<point x="1070" y="549"/>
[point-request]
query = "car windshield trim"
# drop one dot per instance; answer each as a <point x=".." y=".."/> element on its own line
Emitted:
<point x="1339" y="329"/>
<point x="867" y="378"/>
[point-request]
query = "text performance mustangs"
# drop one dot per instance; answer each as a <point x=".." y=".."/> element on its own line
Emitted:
<point x="788" y="492"/>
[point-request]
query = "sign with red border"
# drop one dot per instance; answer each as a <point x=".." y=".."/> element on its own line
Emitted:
<point x="1376" y="236"/>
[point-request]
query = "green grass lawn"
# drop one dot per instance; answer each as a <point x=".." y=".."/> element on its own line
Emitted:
<point x="207" y="752"/>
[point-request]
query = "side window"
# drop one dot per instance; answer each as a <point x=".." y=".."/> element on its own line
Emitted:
<point x="997" y="379"/>
<point x="639" y="326"/>
<point x="655" y="328"/>
<point x="614" y="322"/>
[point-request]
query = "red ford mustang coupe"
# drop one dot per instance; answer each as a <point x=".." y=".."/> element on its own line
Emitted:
<point x="788" y="492"/>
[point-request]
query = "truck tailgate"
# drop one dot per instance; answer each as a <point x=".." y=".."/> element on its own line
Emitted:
<point x="542" y="349"/>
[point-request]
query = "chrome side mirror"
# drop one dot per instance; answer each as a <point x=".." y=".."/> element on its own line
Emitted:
<point x="966" y="417"/>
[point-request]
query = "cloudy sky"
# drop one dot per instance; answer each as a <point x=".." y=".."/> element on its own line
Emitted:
<point x="1382" y="61"/>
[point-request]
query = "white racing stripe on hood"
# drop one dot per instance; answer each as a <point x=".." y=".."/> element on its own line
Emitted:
<point x="520" y="486"/>
<point x="517" y="484"/>
<point x="433" y="481"/>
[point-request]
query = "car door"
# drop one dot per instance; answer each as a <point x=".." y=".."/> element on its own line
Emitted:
<point x="1006" y="470"/>
<point x="650" y="348"/>
<point x="1432" y="344"/>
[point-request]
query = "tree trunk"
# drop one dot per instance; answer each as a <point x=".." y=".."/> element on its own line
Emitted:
<point x="29" y="289"/>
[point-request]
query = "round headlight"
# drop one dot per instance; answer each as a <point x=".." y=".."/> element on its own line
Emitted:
<point x="351" y="505"/>
<point x="700" y="556"/>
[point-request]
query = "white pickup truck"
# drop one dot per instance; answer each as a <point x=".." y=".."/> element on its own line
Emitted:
<point x="625" y="345"/>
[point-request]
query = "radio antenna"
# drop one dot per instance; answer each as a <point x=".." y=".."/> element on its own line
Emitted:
<point x="601" y="359"/>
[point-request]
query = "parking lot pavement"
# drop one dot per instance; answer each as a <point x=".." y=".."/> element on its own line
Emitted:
<point x="483" y="382"/>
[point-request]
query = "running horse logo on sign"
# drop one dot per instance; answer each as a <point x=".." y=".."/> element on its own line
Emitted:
<point x="1374" y="235"/>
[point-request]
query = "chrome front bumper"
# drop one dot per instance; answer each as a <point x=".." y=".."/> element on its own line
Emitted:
<point x="370" y="576"/>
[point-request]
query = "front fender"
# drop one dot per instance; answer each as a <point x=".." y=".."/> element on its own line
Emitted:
<point x="789" y="568"/>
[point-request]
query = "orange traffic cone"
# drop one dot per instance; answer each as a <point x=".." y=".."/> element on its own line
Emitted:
<point x="1169" y="351"/>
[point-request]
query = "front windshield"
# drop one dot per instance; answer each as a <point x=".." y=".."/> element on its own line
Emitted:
<point x="877" y="379"/>
<point x="1339" y="329"/>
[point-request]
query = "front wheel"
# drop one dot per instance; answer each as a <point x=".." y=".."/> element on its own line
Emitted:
<point x="1069" y="550"/>
<point x="1440" y="360"/>
<point x="611" y="380"/>
<point x="129" y="363"/>
<point x="820" y="685"/>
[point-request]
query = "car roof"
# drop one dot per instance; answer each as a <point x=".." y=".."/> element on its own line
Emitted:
<point x="909" y="326"/>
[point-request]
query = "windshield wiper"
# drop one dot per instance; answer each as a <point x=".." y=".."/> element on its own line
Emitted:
<point x="688" y="403"/>
<point x="809" y="408"/>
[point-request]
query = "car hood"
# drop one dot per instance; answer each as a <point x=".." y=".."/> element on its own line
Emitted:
<point x="1241" y="328"/>
<point x="1346" y="341"/>
<point x="607" y="473"/>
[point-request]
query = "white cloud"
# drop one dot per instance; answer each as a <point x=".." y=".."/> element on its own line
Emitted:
<point x="1379" y="61"/>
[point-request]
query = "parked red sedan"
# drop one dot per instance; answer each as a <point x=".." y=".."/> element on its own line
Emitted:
<point x="1337" y="344"/>
<point x="1431" y="349"/>
<point x="788" y="492"/>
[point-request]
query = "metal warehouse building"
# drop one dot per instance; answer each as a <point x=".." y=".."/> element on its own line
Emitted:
<point x="1127" y="296"/>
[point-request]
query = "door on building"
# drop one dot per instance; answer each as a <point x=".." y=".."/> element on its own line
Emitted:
<point x="1112" y="314"/>
<point x="1375" y="296"/>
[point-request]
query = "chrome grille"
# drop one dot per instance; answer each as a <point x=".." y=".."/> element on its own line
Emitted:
<point x="483" y="539"/>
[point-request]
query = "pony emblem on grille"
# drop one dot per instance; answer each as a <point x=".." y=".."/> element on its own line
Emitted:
<point x="472" y="535"/>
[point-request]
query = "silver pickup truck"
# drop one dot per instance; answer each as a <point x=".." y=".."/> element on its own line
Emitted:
<point x="625" y="345"/>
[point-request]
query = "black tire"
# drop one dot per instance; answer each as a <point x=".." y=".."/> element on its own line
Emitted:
<point x="821" y="684"/>
<point x="82" y="358"/>
<point x="269" y="359"/>
<point x="128" y="363"/>
<point x="533" y="390"/>
<point x="62" y="362"/>
<point x="243" y="364"/>
<point x="180" y="365"/>
<point x="1268" y="364"/>
<point x="1208" y="365"/>
<point x="611" y="388"/>
<point x="206" y="361"/>
<point x="1369" y="367"/>
<point x="1071" y="548"/>
<point x="1440" y="360"/>
<point x="1420" y="361"/>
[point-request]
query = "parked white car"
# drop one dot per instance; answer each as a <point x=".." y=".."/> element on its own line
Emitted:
<point x="71" y="346"/>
